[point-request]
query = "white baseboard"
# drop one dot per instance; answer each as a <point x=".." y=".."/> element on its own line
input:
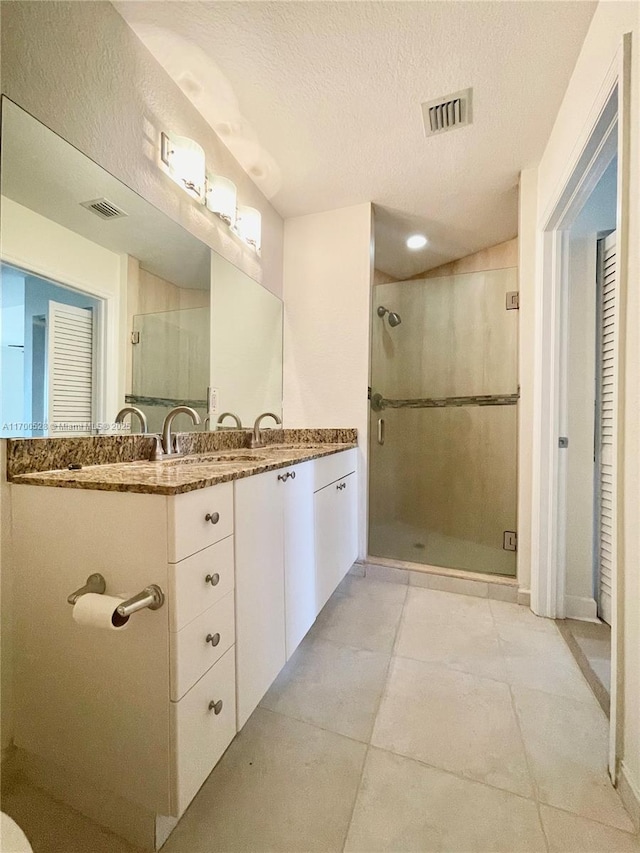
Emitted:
<point x="579" y="607"/>
<point x="629" y="794"/>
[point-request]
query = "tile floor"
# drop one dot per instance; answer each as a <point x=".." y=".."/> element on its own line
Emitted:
<point x="408" y="720"/>
<point x="590" y="644"/>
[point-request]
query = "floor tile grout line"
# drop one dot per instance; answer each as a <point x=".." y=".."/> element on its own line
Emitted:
<point x="493" y="678"/>
<point x="313" y="725"/>
<point x="375" y="716"/>
<point x="527" y="758"/>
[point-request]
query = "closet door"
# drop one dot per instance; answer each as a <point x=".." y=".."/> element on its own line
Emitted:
<point x="607" y="377"/>
<point x="70" y="373"/>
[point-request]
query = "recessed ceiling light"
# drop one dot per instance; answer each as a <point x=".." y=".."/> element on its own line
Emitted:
<point x="416" y="241"/>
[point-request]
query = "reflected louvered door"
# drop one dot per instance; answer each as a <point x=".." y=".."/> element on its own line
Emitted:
<point x="607" y="380"/>
<point x="70" y="368"/>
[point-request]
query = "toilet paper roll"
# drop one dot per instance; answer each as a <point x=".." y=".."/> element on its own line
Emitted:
<point x="99" y="611"/>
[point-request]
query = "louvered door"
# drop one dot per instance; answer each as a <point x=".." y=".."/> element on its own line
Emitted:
<point x="606" y="422"/>
<point x="70" y="369"/>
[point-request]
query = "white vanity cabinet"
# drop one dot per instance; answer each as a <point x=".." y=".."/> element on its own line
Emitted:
<point x="260" y="629"/>
<point x="335" y="521"/>
<point x="136" y="719"/>
<point x="299" y="555"/>
<point x="296" y="537"/>
<point x="143" y="714"/>
<point x="202" y="636"/>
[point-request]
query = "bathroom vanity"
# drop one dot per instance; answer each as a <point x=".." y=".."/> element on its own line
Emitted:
<point x="246" y="551"/>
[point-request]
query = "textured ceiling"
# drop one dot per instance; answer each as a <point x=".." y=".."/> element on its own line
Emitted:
<point x="320" y="102"/>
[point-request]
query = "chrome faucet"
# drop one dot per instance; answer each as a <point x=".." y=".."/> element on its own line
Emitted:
<point x="132" y="410"/>
<point x="256" y="438"/>
<point x="228" y="415"/>
<point x="168" y="440"/>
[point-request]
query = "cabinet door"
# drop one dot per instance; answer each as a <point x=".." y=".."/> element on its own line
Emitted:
<point x="348" y="524"/>
<point x="260" y="620"/>
<point x="336" y="535"/>
<point x="299" y="555"/>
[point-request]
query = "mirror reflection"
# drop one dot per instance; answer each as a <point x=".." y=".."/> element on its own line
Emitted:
<point x="107" y="303"/>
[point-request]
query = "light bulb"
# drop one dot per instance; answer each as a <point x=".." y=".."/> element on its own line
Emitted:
<point x="221" y="198"/>
<point x="416" y="241"/>
<point x="186" y="163"/>
<point x="249" y="226"/>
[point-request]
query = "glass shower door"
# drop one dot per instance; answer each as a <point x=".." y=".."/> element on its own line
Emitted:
<point x="443" y="423"/>
<point x="171" y="363"/>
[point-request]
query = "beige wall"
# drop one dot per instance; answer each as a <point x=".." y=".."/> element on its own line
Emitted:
<point x="610" y="22"/>
<point x="498" y="257"/>
<point x="327" y="291"/>
<point x="80" y="69"/>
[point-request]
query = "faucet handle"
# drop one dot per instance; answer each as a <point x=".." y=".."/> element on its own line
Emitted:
<point x="157" y="452"/>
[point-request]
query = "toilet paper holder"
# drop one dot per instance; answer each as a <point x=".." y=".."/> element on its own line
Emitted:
<point x="151" y="596"/>
<point x="95" y="583"/>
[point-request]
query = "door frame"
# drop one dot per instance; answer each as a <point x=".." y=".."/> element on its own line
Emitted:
<point x="106" y="326"/>
<point x="605" y="135"/>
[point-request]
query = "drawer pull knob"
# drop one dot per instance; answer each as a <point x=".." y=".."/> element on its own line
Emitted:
<point x="213" y="517"/>
<point x="284" y="477"/>
<point x="216" y="707"/>
<point x="293" y="475"/>
<point x="341" y="486"/>
<point x="214" y="639"/>
<point x="214" y="580"/>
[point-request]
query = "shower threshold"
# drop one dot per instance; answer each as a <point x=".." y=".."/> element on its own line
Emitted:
<point x="461" y="574"/>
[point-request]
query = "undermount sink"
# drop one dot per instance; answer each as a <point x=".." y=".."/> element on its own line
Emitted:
<point x="212" y="459"/>
<point x="286" y="448"/>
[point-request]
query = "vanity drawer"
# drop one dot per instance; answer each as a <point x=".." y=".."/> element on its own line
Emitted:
<point x="192" y="654"/>
<point x="197" y="582"/>
<point x="328" y="469"/>
<point x="198" y="519"/>
<point x="199" y="734"/>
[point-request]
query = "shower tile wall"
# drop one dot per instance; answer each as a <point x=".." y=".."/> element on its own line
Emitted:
<point x="443" y="486"/>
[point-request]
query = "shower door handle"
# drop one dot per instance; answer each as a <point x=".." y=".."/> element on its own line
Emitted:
<point x="380" y="430"/>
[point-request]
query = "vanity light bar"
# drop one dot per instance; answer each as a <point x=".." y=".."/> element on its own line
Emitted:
<point x="185" y="162"/>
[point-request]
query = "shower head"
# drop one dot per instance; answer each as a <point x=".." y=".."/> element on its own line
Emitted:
<point x="394" y="319"/>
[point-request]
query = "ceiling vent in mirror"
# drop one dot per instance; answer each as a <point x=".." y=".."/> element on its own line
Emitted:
<point x="104" y="208"/>
<point x="447" y="113"/>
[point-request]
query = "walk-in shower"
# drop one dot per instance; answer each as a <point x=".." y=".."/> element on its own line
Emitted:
<point x="443" y="422"/>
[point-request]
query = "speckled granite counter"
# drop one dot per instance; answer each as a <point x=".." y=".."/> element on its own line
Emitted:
<point x="207" y="468"/>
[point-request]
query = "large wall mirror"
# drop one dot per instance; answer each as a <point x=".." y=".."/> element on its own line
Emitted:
<point x="106" y="302"/>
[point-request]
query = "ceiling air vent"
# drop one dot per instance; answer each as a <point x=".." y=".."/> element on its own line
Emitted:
<point x="447" y="113"/>
<point x="104" y="208"/>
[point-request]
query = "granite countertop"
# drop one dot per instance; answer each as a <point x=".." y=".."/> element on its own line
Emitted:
<point x="185" y="474"/>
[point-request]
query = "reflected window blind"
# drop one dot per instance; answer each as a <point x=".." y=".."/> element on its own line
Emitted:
<point x="606" y="426"/>
<point x="70" y="368"/>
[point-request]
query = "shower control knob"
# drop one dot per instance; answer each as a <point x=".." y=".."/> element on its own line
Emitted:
<point x="214" y="579"/>
<point x="214" y="639"/>
<point x="213" y="517"/>
<point x="216" y="707"/>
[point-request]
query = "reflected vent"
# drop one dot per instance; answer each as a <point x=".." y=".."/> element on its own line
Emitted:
<point x="104" y="208"/>
<point x="448" y="113"/>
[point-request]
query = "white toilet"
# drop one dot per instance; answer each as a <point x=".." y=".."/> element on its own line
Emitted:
<point x="12" y="838"/>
